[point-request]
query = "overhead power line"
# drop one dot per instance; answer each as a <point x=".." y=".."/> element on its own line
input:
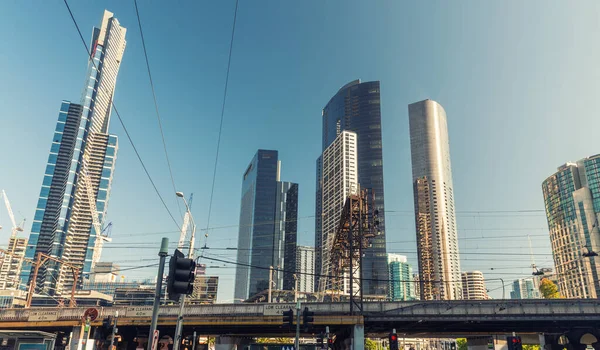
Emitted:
<point x="89" y="53"/>
<point x="162" y="135"/>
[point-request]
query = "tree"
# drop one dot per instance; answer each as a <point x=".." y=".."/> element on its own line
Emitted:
<point x="531" y="347"/>
<point x="461" y="344"/>
<point x="549" y="289"/>
<point x="370" y="344"/>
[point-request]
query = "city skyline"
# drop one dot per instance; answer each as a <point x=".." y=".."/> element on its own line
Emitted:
<point x="498" y="109"/>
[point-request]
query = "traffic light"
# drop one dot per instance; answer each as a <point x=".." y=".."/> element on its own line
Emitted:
<point x="393" y="341"/>
<point x="453" y="345"/>
<point x="307" y="319"/>
<point x="330" y="343"/>
<point x="181" y="276"/>
<point x="288" y="318"/>
<point x="514" y="343"/>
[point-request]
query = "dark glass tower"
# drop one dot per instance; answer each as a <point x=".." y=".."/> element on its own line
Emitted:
<point x="356" y="107"/>
<point x="268" y="228"/>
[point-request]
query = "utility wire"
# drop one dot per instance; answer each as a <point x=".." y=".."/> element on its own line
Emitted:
<point x="162" y="135"/>
<point x="212" y="189"/>
<point x="90" y="54"/>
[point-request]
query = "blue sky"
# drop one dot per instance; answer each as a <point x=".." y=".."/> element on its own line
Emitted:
<point x="519" y="83"/>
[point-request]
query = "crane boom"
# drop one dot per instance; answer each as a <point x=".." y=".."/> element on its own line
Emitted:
<point x="15" y="228"/>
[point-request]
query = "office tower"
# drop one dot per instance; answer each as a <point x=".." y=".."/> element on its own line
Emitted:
<point x="526" y="288"/>
<point x="437" y="241"/>
<point x="12" y="263"/>
<point x="400" y="279"/>
<point x="416" y="286"/>
<point x="268" y="228"/>
<point x="356" y="107"/>
<point x="339" y="164"/>
<point x="81" y="162"/>
<point x="473" y="286"/>
<point x="572" y="200"/>
<point x="305" y="269"/>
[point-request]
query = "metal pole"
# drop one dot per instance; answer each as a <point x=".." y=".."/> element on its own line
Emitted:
<point x="296" y="288"/>
<point x="297" y="340"/>
<point x="270" y="283"/>
<point x="164" y="251"/>
<point x="503" y="291"/>
<point x="114" y="331"/>
<point x="194" y="342"/>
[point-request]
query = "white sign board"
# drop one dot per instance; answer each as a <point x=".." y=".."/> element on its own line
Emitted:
<point x="43" y="316"/>
<point x="140" y="311"/>
<point x="287" y="347"/>
<point x="277" y="309"/>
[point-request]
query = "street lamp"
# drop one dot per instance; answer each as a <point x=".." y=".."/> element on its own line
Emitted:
<point x="179" y="327"/>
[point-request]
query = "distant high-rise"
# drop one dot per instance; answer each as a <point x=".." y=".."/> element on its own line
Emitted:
<point x="400" y="279"/>
<point x="268" y="228"/>
<point x="11" y="264"/>
<point x="437" y="241"/>
<point x="305" y="269"/>
<point x="339" y="164"/>
<point x="81" y="147"/>
<point x="526" y="288"/>
<point x="572" y="200"/>
<point x="356" y="107"/>
<point x="473" y="286"/>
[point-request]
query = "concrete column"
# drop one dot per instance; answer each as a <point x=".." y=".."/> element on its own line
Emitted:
<point x="358" y="337"/>
<point x="82" y="339"/>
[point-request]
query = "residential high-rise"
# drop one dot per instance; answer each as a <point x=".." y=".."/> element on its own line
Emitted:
<point x="81" y="150"/>
<point x="305" y="268"/>
<point x="572" y="201"/>
<point x="11" y="264"/>
<point x="356" y="107"/>
<point x="437" y="240"/>
<point x="526" y="288"/>
<point x="473" y="286"/>
<point x="268" y="228"/>
<point x="339" y="164"/>
<point x="400" y="279"/>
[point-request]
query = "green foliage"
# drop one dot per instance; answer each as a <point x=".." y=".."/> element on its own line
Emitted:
<point x="461" y="344"/>
<point x="275" y="340"/>
<point x="531" y="347"/>
<point x="549" y="290"/>
<point x="370" y="344"/>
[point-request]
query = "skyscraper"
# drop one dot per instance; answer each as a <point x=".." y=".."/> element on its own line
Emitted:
<point x="437" y="241"/>
<point x="572" y="201"/>
<point x="268" y="228"/>
<point x="401" y="278"/>
<point x="339" y="180"/>
<point x="82" y="153"/>
<point x="305" y="269"/>
<point x="356" y="107"/>
<point x="473" y="286"/>
<point x="526" y="288"/>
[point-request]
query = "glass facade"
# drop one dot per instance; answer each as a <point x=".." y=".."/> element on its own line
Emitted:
<point x="356" y="107"/>
<point x="268" y="217"/>
<point x="572" y="198"/>
<point x="400" y="282"/>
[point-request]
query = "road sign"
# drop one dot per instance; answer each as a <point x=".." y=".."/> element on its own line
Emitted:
<point x="92" y="313"/>
<point x="287" y="347"/>
<point x="277" y="309"/>
<point x="155" y="340"/>
<point x="42" y="316"/>
<point x="139" y="311"/>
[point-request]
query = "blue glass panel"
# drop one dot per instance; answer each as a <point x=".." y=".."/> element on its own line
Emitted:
<point x="47" y="180"/>
<point x="52" y="159"/>
<point x="62" y="117"/>
<point x="45" y="191"/>
<point x="100" y="206"/>
<point x="39" y="215"/>
<point x="101" y="195"/>
<point x="55" y="147"/>
<point x="60" y="127"/>
<point x="106" y="172"/>
<point x="112" y="140"/>
<point x="110" y="151"/>
<point x="57" y="137"/>
<point x="42" y="203"/>
<point x="103" y="183"/>
<point x="50" y="169"/>
<point x="35" y="227"/>
<point x="65" y="106"/>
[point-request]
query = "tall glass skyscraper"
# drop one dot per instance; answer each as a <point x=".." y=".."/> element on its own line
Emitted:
<point x="401" y="282"/>
<point x="356" y="107"/>
<point x="81" y="146"/>
<point x="437" y="240"/>
<point x="572" y="200"/>
<point x="268" y="228"/>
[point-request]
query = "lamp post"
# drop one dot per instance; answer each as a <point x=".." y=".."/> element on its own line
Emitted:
<point x="179" y="327"/>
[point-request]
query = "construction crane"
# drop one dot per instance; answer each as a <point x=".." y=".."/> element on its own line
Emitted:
<point x="100" y="238"/>
<point x="12" y="261"/>
<point x="185" y="225"/>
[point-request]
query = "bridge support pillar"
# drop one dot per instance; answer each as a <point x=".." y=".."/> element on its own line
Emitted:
<point x="230" y="343"/>
<point x="358" y="337"/>
<point x="82" y="338"/>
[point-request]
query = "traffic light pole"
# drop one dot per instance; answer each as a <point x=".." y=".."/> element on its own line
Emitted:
<point x="114" y="331"/>
<point x="164" y="251"/>
<point x="179" y="326"/>
<point x="297" y="340"/>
